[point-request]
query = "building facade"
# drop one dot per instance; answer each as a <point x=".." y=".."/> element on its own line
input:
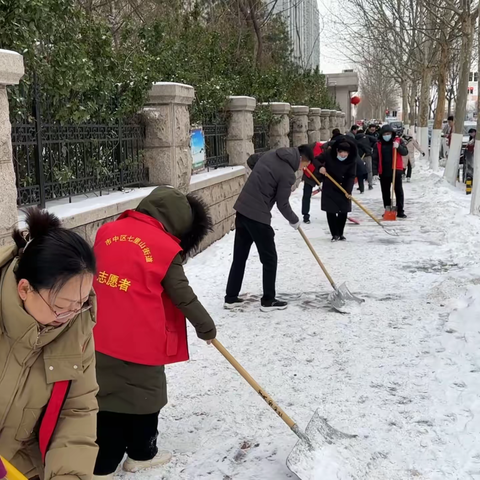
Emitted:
<point x="303" y="22"/>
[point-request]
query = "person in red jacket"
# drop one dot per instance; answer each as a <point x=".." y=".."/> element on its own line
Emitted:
<point x="143" y="299"/>
<point x="383" y="157"/>
<point x="308" y="180"/>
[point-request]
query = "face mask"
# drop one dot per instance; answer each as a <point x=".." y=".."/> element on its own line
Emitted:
<point x="387" y="138"/>
<point x="342" y="159"/>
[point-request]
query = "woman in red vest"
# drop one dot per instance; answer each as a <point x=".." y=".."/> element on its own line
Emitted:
<point x="143" y="299"/>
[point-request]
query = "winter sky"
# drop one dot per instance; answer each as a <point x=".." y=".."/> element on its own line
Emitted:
<point x="330" y="60"/>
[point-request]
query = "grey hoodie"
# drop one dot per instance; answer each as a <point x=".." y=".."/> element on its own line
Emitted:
<point x="271" y="181"/>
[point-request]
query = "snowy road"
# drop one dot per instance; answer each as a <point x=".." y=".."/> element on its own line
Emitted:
<point x="404" y="370"/>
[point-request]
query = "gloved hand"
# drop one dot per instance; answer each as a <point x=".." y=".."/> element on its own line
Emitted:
<point x="396" y="143"/>
<point x="296" y="226"/>
<point x="423" y="153"/>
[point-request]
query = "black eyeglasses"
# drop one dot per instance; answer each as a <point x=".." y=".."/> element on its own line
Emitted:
<point x="69" y="313"/>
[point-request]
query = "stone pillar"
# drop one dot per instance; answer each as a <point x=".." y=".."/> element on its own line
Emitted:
<point x="167" y="134"/>
<point x="240" y="129"/>
<point x="341" y="122"/>
<point x="280" y="126"/>
<point x="333" y="120"/>
<point x="314" y="125"/>
<point x="300" y="125"/>
<point x="325" y="133"/>
<point x="11" y="71"/>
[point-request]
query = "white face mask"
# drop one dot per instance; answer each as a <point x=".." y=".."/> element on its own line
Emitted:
<point x="342" y="159"/>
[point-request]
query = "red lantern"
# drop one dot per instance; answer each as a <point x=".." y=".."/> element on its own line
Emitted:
<point x="355" y="100"/>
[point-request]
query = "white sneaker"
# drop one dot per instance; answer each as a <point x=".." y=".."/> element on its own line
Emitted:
<point x="408" y="180"/>
<point x="103" y="477"/>
<point x="161" y="458"/>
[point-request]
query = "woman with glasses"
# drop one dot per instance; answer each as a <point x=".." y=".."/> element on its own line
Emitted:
<point x="47" y="370"/>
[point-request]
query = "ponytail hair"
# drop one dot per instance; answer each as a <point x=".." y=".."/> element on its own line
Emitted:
<point x="50" y="255"/>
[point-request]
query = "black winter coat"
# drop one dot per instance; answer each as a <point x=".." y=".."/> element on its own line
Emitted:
<point x="271" y="181"/>
<point x="333" y="199"/>
<point x="365" y="145"/>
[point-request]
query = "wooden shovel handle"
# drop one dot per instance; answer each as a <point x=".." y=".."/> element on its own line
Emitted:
<point x="353" y="198"/>
<point x="12" y="472"/>
<point x="317" y="258"/>
<point x="394" y="167"/>
<point x="273" y="405"/>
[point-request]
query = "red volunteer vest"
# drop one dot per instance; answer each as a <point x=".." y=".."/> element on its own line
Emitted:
<point x="399" y="165"/>
<point x="318" y="150"/>
<point x="136" y="321"/>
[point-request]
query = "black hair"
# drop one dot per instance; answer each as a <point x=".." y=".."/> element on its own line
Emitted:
<point x="451" y="118"/>
<point x="201" y="225"/>
<point x="472" y="130"/>
<point x="335" y="132"/>
<point x="50" y="255"/>
<point x="306" y="151"/>
<point x="353" y="127"/>
<point x="344" y="147"/>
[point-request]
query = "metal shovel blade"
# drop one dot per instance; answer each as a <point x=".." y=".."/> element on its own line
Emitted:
<point x="341" y="296"/>
<point x="327" y="453"/>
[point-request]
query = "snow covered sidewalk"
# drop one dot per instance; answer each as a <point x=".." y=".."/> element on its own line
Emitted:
<point x="405" y="370"/>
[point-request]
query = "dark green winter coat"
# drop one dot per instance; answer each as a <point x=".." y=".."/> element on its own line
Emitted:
<point x="127" y="387"/>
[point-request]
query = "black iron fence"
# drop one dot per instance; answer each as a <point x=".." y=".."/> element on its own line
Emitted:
<point x="56" y="161"/>
<point x="215" y="145"/>
<point x="260" y="137"/>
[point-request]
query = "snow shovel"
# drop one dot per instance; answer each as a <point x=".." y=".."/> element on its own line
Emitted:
<point x="8" y="471"/>
<point x="341" y="294"/>
<point x="390" y="214"/>
<point x="370" y="214"/>
<point x="316" y="442"/>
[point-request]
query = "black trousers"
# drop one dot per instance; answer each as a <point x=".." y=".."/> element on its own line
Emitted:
<point x="336" y="223"/>
<point x="361" y="183"/>
<point x="409" y="170"/>
<point x="307" y="197"/>
<point x="120" y="433"/>
<point x="386" y="184"/>
<point x="248" y="232"/>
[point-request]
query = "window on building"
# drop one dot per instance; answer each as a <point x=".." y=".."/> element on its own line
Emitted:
<point x="473" y="77"/>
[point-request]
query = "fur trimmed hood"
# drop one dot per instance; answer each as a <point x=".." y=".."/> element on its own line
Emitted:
<point x="184" y="216"/>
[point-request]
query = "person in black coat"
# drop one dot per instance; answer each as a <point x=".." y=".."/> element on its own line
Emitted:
<point x="365" y="146"/>
<point x="372" y="131"/>
<point x="340" y="163"/>
<point x="383" y="154"/>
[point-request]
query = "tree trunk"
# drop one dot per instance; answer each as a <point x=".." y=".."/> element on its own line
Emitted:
<point x="258" y="32"/>
<point x="413" y="95"/>
<point x="425" y="97"/>
<point x="466" y="59"/>
<point x="442" y="87"/>
<point x="475" y="202"/>
<point x="467" y="30"/>
<point x="405" y="102"/>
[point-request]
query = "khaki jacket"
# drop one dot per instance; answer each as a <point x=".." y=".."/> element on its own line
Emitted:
<point x="31" y="361"/>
